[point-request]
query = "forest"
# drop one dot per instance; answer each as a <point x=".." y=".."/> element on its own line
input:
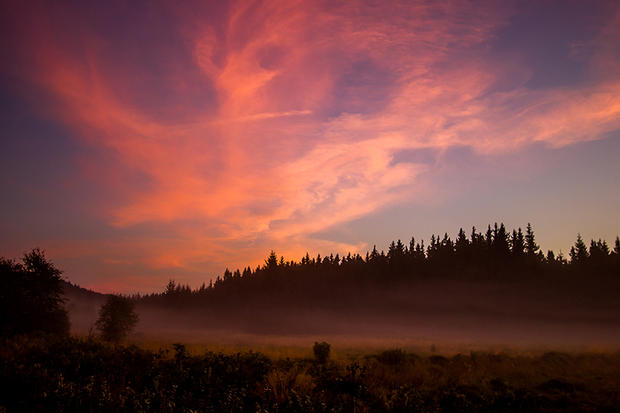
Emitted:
<point x="495" y="256"/>
<point x="498" y="271"/>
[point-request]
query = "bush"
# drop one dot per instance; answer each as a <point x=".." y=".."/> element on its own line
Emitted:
<point x="321" y="351"/>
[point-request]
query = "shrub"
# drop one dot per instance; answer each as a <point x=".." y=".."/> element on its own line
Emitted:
<point x="321" y="351"/>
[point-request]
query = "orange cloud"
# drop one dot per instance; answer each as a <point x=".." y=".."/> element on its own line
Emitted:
<point x="313" y="102"/>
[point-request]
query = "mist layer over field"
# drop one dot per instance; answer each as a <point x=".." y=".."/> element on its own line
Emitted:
<point x="452" y="316"/>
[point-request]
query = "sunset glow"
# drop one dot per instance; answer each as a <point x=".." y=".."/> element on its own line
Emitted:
<point x="151" y="141"/>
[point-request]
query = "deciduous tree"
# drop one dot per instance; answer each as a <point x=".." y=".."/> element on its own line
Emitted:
<point x="31" y="296"/>
<point x="117" y="318"/>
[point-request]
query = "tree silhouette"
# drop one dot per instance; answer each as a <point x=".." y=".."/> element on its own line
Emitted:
<point x="579" y="252"/>
<point x="354" y="283"/>
<point x="531" y="248"/>
<point x="117" y="318"/>
<point x="518" y="243"/>
<point x="321" y="351"/>
<point x="599" y="251"/>
<point x="31" y="296"/>
<point x="271" y="263"/>
<point x="501" y="241"/>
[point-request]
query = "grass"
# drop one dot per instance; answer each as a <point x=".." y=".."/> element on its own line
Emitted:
<point x="155" y="375"/>
<point x="346" y="349"/>
<point x="590" y="375"/>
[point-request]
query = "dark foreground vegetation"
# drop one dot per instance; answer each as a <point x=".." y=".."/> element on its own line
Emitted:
<point x="87" y="375"/>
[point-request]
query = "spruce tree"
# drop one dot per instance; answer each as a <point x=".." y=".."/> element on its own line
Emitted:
<point x="579" y="252"/>
<point x="272" y="261"/>
<point x="518" y="243"/>
<point x="461" y="240"/>
<point x="531" y="248"/>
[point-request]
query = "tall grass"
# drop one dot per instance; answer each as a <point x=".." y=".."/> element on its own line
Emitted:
<point x="87" y="375"/>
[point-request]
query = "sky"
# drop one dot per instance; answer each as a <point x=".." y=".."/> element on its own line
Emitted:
<point x="143" y="141"/>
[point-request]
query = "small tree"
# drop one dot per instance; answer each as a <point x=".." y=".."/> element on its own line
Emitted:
<point x="117" y="318"/>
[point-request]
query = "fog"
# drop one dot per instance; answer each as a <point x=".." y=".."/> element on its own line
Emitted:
<point x="449" y="316"/>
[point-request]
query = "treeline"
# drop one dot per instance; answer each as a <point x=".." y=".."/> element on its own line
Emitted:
<point x="493" y="256"/>
<point x="378" y="284"/>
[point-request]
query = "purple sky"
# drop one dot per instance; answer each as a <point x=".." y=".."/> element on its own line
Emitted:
<point x="143" y="141"/>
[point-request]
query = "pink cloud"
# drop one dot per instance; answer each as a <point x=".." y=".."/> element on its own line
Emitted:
<point x="281" y="154"/>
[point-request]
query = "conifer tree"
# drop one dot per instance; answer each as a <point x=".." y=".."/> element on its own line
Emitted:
<point x="489" y="237"/>
<point x="531" y="248"/>
<point x="579" y="252"/>
<point x="171" y="288"/>
<point x="474" y="235"/>
<point x="461" y="240"/>
<point x="271" y="262"/>
<point x="518" y="243"/>
<point x="599" y="251"/>
<point x="500" y="241"/>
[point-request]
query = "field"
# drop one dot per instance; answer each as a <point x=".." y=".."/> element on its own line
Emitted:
<point x="82" y="374"/>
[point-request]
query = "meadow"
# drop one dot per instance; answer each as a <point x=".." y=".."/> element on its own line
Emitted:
<point x="84" y="374"/>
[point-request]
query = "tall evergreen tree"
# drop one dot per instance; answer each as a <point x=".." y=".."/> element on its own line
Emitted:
<point x="599" y="251"/>
<point x="412" y="247"/>
<point x="531" y="248"/>
<point x="461" y="240"/>
<point x="579" y="252"/>
<point x="517" y="243"/>
<point x="271" y="262"/>
<point x="500" y="241"/>
<point x="489" y="237"/>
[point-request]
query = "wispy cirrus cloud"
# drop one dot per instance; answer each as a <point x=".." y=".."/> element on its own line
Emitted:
<point x="306" y="105"/>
